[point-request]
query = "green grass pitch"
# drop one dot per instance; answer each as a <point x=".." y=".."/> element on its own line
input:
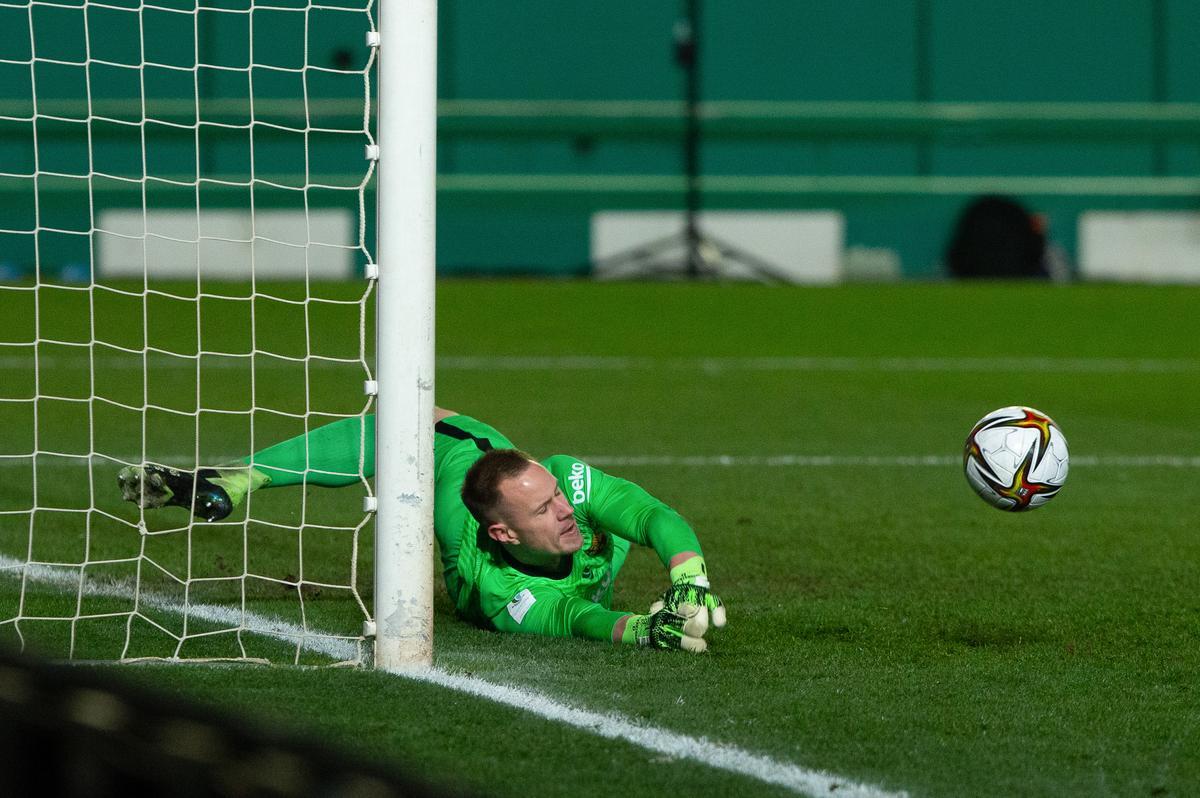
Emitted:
<point x="885" y="625"/>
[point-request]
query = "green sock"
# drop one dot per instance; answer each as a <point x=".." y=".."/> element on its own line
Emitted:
<point x="327" y="456"/>
<point x="238" y="481"/>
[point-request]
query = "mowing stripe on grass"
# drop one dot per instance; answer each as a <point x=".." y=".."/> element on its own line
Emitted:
<point x="610" y="725"/>
<point x="698" y="460"/>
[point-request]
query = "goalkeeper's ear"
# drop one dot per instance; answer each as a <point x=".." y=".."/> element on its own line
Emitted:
<point x="502" y="533"/>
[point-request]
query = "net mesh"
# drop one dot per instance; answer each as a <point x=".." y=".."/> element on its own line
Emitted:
<point x="183" y="261"/>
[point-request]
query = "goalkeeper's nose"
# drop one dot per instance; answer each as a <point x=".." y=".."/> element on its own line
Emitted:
<point x="563" y="508"/>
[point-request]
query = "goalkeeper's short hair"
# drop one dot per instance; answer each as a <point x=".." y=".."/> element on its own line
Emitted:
<point x="481" y="486"/>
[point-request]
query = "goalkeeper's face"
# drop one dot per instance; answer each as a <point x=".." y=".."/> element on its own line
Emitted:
<point x="537" y="514"/>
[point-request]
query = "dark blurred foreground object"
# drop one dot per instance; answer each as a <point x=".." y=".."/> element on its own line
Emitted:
<point x="996" y="237"/>
<point x="67" y="731"/>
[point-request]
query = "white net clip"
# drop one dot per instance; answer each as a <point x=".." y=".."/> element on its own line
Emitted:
<point x="371" y="387"/>
<point x="372" y="152"/>
<point x="370" y="504"/>
<point x="371" y="271"/>
<point x="368" y="628"/>
<point x="373" y="38"/>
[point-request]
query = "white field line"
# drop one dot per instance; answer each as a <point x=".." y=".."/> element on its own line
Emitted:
<point x="163" y="362"/>
<point x="340" y="648"/>
<point x="615" y="727"/>
<point x="610" y="725"/>
<point x="868" y="461"/>
<point x="717" y="365"/>
<point x="697" y="461"/>
<point x="705" y="365"/>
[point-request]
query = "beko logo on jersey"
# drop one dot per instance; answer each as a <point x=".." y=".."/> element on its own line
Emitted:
<point x="580" y="481"/>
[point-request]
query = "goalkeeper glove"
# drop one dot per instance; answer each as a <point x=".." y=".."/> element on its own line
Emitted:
<point x="682" y="628"/>
<point x="689" y="585"/>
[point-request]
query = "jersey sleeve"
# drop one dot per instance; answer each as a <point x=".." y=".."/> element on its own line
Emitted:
<point x="621" y="508"/>
<point x="546" y="611"/>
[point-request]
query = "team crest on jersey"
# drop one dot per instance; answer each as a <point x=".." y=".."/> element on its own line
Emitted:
<point x="599" y="540"/>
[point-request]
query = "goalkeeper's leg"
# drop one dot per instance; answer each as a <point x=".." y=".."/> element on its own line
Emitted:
<point x="331" y="456"/>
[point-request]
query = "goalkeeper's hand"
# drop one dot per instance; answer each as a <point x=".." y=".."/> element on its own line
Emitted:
<point x="689" y="585"/>
<point x="682" y="628"/>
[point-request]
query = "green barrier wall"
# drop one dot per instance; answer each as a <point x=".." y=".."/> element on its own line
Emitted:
<point x="936" y="51"/>
<point x="895" y="113"/>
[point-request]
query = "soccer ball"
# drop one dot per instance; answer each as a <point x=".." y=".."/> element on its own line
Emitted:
<point x="1016" y="458"/>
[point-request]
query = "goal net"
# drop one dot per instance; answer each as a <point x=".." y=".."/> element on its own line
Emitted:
<point x="185" y="278"/>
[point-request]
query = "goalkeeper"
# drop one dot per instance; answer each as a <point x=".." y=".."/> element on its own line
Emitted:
<point x="525" y="546"/>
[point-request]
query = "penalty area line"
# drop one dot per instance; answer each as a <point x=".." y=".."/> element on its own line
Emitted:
<point x="609" y="725"/>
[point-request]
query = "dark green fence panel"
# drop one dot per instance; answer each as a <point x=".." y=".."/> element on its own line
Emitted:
<point x="589" y="95"/>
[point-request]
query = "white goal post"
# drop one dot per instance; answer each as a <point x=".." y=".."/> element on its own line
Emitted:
<point x="405" y="334"/>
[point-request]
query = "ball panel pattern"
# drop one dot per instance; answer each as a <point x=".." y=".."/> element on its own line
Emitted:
<point x="1016" y="458"/>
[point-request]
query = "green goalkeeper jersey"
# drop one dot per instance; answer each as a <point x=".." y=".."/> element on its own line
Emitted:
<point x="492" y="589"/>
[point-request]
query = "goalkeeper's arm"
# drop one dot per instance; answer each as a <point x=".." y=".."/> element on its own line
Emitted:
<point x="626" y="509"/>
<point x="548" y="612"/>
